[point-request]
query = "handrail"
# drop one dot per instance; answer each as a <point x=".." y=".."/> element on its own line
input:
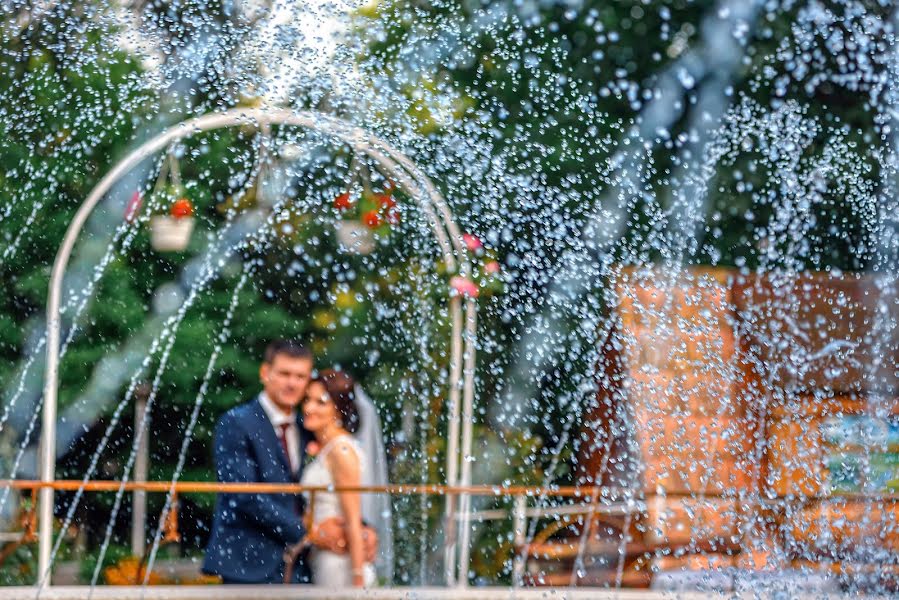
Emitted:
<point x="609" y="493"/>
<point x="292" y="488"/>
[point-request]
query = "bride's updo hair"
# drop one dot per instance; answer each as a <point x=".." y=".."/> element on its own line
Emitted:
<point x="341" y="389"/>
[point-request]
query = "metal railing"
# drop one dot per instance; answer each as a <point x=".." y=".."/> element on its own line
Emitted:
<point x="585" y="492"/>
<point x="595" y="501"/>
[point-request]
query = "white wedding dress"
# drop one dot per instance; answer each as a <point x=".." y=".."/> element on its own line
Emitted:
<point x="330" y="569"/>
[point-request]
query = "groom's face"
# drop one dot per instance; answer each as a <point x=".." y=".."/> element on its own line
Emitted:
<point x="285" y="380"/>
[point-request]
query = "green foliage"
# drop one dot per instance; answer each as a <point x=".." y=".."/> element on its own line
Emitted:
<point x="72" y="121"/>
<point x="512" y="458"/>
<point x="20" y="567"/>
<point x="88" y="563"/>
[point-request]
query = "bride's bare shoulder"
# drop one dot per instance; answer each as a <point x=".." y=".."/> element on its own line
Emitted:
<point x="344" y="454"/>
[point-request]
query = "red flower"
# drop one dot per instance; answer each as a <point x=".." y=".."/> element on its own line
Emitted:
<point x="372" y="219"/>
<point x="472" y="242"/>
<point x="492" y="267"/>
<point x="181" y="208"/>
<point x="464" y="286"/>
<point x="386" y="200"/>
<point x="343" y="202"/>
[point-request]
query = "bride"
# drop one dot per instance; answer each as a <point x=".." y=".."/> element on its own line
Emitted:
<point x="330" y="413"/>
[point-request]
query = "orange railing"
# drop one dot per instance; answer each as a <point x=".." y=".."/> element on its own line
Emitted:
<point x="211" y="487"/>
<point x="294" y="488"/>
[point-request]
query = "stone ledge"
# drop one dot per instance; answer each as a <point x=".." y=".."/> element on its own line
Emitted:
<point x="294" y="592"/>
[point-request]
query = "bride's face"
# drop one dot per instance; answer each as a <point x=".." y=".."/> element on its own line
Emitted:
<point x="319" y="410"/>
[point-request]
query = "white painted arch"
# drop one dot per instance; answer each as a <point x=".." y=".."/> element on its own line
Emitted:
<point x="463" y="310"/>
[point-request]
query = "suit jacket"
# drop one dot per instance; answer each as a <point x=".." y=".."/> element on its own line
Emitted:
<point x="251" y="531"/>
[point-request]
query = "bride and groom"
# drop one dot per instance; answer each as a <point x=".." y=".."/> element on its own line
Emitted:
<point x="271" y="439"/>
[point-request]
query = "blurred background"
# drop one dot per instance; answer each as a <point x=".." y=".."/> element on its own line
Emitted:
<point x="635" y="178"/>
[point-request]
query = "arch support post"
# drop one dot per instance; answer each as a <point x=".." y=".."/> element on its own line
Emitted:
<point x="471" y="324"/>
<point x="451" y="514"/>
<point x="51" y="387"/>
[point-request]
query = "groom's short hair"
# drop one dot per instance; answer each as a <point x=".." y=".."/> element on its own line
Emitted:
<point x="291" y="348"/>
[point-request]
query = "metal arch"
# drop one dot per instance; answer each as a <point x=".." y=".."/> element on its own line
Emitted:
<point x="461" y="414"/>
<point x="400" y="167"/>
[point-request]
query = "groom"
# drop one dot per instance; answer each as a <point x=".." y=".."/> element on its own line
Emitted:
<point x="263" y="441"/>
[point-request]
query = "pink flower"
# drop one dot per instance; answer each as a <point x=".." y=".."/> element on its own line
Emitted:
<point x="472" y="242"/>
<point x="491" y="268"/>
<point x="313" y="448"/>
<point x="464" y="286"/>
<point x="133" y="207"/>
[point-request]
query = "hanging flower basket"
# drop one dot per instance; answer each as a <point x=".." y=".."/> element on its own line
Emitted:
<point x="355" y="236"/>
<point x="366" y="218"/>
<point x="171" y="232"/>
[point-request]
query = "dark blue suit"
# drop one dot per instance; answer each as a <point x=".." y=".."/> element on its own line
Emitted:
<point x="251" y="531"/>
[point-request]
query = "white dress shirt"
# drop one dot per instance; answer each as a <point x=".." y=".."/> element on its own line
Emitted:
<point x="277" y="417"/>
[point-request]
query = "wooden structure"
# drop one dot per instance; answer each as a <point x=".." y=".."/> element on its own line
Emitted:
<point x="762" y="418"/>
<point x="691" y="420"/>
<point x="832" y="418"/>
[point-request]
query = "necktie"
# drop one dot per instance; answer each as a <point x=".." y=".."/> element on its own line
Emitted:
<point x="283" y="436"/>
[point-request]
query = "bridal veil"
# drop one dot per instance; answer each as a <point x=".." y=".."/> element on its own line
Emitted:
<point x="376" y="508"/>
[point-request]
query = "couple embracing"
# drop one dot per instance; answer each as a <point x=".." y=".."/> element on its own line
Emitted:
<point x="257" y="538"/>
